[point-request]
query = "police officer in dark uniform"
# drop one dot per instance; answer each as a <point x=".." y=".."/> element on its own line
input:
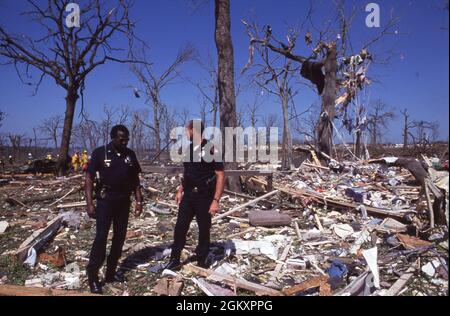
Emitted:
<point x="198" y="195"/>
<point x="117" y="171"/>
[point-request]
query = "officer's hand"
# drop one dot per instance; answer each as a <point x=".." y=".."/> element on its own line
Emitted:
<point x="138" y="209"/>
<point x="91" y="210"/>
<point x="214" y="208"/>
<point x="178" y="197"/>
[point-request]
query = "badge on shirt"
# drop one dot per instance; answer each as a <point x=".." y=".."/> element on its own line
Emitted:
<point x="128" y="160"/>
<point x="107" y="163"/>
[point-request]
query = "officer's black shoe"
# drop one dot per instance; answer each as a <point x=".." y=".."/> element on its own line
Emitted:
<point x="95" y="287"/>
<point x="173" y="265"/>
<point x="117" y="277"/>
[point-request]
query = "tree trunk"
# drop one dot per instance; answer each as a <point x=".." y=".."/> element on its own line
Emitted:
<point x="156" y="123"/>
<point x="405" y="132"/>
<point x="71" y="100"/>
<point x="286" y="160"/>
<point x="35" y="143"/>
<point x="358" y="144"/>
<point x="55" y="140"/>
<point x="374" y="134"/>
<point x="325" y="128"/>
<point x="227" y="97"/>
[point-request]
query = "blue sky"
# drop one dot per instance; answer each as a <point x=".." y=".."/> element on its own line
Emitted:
<point x="416" y="78"/>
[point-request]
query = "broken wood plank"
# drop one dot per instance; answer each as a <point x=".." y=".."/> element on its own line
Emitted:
<point x="17" y="290"/>
<point x="212" y="289"/>
<point x="410" y="242"/>
<point x="316" y="160"/>
<point x="307" y="285"/>
<point x="248" y="230"/>
<point x="269" y="218"/>
<point x="240" y="207"/>
<point x="276" y="272"/>
<point x="39" y="238"/>
<point x="315" y="166"/>
<point x="297" y="230"/>
<point x="258" y="289"/>
<point x="319" y="224"/>
<point x="72" y="205"/>
<point x="168" y="287"/>
<point x="430" y="206"/>
<point x="401" y="282"/>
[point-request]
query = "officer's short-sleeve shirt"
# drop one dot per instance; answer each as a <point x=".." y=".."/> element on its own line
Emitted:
<point x="197" y="173"/>
<point x="119" y="172"/>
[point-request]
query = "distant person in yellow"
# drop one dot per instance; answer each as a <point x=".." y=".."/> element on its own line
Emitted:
<point x="75" y="161"/>
<point x="84" y="160"/>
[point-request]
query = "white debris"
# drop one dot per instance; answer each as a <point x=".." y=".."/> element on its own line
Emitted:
<point x="3" y="226"/>
<point x="343" y="230"/>
<point x="371" y="256"/>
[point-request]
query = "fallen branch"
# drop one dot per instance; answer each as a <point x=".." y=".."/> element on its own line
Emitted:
<point x="258" y="289"/>
<point x="234" y="210"/>
<point x="16" y="290"/>
<point x="401" y="282"/>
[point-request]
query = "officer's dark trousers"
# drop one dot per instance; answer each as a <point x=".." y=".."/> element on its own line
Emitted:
<point x="193" y="205"/>
<point x="115" y="212"/>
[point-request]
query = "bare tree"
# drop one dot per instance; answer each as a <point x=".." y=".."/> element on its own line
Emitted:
<point x="275" y="76"/>
<point x="306" y="123"/>
<point x="378" y="121"/>
<point x="2" y="117"/>
<point x="321" y="66"/>
<point x="183" y="116"/>
<point x="69" y="54"/>
<point x="154" y="84"/>
<point x="88" y="133"/>
<point x="51" y="128"/>
<point x="225" y="77"/>
<point x="424" y="132"/>
<point x="169" y="122"/>
<point x="138" y="131"/>
<point x="253" y="109"/>
<point x="406" y="127"/>
<point x="16" y="140"/>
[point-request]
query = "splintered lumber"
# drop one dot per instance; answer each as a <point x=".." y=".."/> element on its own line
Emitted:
<point x="319" y="224"/>
<point x="168" y="287"/>
<point x="259" y="290"/>
<point x="39" y="238"/>
<point x="64" y="196"/>
<point x="411" y="243"/>
<point x="276" y="272"/>
<point x="314" y="166"/>
<point x="71" y="205"/>
<point x="430" y="206"/>
<point x="401" y="282"/>
<point x="269" y="218"/>
<point x="297" y="230"/>
<point x="321" y="199"/>
<point x="316" y="160"/>
<point x="240" y="207"/>
<point x="16" y="290"/>
<point x="307" y="285"/>
<point x="212" y="289"/>
<point x="248" y="230"/>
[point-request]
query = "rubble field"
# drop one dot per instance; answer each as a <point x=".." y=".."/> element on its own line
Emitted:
<point x="341" y="228"/>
